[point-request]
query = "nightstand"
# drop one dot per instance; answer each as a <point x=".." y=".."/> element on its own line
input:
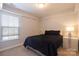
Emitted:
<point x="73" y="44"/>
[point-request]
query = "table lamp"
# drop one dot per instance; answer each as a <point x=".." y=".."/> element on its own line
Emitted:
<point x="69" y="30"/>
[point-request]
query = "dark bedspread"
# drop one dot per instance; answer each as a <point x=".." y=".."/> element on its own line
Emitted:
<point x="46" y="44"/>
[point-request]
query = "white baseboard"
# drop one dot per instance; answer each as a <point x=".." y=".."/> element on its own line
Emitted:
<point x="3" y="49"/>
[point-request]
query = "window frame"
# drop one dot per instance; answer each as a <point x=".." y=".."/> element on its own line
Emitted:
<point x="1" y="27"/>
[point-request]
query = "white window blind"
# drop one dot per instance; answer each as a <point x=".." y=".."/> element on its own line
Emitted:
<point x="9" y="27"/>
<point x="10" y="21"/>
<point x="1" y="5"/>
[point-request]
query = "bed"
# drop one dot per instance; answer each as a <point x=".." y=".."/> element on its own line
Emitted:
<point x="47" y="44"/>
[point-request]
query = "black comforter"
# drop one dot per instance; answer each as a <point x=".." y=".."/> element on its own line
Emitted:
<point x="46" y="44"/>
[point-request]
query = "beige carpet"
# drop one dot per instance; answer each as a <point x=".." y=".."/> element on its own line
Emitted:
<point x="65" y="52"/>
<point x="21" y="51"/>
<point x="18" y="51"/>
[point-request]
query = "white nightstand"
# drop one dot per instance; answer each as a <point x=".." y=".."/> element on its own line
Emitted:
<point x="73" y="44"/>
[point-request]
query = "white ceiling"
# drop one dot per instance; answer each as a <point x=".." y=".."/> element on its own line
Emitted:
<point x="51" y="8"/>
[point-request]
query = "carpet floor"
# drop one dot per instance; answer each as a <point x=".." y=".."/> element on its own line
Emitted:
<point x="21" y="51"/>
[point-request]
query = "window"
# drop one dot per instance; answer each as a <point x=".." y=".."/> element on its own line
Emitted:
<point x="9" y="27"/>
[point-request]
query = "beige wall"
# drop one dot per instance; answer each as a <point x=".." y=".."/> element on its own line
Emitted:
<point x="58" y="21"/>
<point x="29" y="27"/>
<point x="77" y="15"/>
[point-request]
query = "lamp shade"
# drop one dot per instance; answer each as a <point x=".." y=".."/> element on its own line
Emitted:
<point x="70" y="28"/>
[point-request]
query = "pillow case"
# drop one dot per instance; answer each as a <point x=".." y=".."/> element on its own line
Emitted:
<point x="52" y="32"/>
